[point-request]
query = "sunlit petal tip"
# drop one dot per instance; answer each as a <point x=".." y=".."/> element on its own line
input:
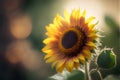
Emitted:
<point x="46" y="56"/>
<point x="93" y="35"/>
<point x="84" y="13"/>
<point x="49" y="60"/>
<point x="46" y="40"/>
<point x="66" y="15"/>
<point x="49" y="28"/>
<point x="91" y="26"/>
<point x="46" y="51"/>
<point x="59" y="18"/>
<point x="76" y="60"/>
<point x="90" y="19"/>
<point x="91" y="44"/>
<point x="45" y="48"/>
<point x="73" y="13"/>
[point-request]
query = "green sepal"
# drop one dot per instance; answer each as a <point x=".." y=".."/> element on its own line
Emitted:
<point x="106" y="59"/>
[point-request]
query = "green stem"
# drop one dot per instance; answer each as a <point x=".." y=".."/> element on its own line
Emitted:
<point x="86" y="72"/>
<point x="100" y="75"/>
<point x="97" y="70"/>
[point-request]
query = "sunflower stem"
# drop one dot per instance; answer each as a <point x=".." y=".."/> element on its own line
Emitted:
<point x="100" y="75"/>
<point x="98" y="71"/>
<point x="87" y="77"/>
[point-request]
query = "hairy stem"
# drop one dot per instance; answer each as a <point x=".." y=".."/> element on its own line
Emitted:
<point x="87" y="77"/>
<point x="100" y="75"/>
<point x="97" y="70"/>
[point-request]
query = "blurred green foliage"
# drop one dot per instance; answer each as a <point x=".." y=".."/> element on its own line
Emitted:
<point x="76" y="75"/>
<point x="112" y="40"/>
<point x="112" y="24"/>
<point x="50" y="79"/>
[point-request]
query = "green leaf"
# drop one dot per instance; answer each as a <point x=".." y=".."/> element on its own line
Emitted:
<point x="76" y="75"/>
<point x="111" y="22"/>
<point x="106" y="59"/>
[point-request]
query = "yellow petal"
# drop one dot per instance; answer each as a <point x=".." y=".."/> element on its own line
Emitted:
<point x="51" y="59"/>
<point x="91" y="26"/>
<point x="93" y="35"/>
<point x="47" y="56"/>
<point x="53" y="28"/>
<point x="91" y="44"/>
<point x="76" y="65"/>
<point x="66" y="15"/>
<point x="73" y="13"/>
<point x="73" y="20"/>
<point x="84" y="13"/>
<point x="76" y="60"/>
<point x="78" y="13"/>
<point x="49" y="29"/>
<point x="50" y="50"/>
<point x="90" y="19"/>
<point x="60" y="66"/>
<point x="69" y="65"/>
<point x="86" y="54"/>
<point x="82" y="59"/>
<point x="48" y="40"/>
<point x="77" y="18"/>
<point x="61" y="69"/>
<point x="52" y="47"/>
<point x="58" y="19"/>
<point x="47" y="47"/>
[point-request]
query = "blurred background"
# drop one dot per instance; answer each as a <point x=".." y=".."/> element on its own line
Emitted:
<point x="22" y="30"/>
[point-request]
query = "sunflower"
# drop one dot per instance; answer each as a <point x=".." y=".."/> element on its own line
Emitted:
<point x="70" y="40"/>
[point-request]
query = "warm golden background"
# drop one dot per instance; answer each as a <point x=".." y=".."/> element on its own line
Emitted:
<point x="22" y="29"/>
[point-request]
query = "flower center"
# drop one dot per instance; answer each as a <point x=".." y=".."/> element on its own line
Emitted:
<point x="69" y="39"/>
<point x="72" y="41"/>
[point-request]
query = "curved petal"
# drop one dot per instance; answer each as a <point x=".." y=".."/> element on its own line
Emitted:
<point x="69" y="65"/>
